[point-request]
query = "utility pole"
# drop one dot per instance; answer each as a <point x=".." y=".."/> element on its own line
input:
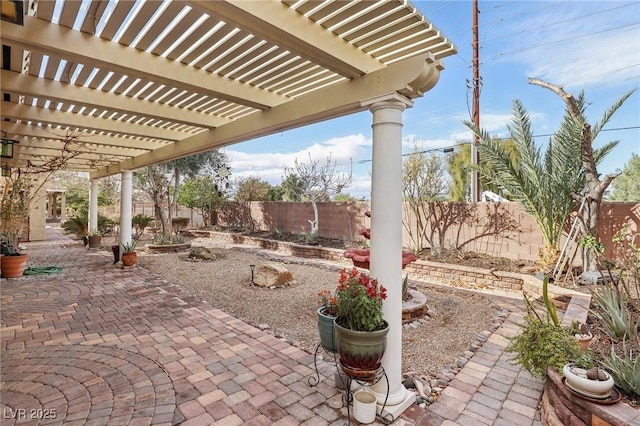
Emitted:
<point x="475" y="156"/>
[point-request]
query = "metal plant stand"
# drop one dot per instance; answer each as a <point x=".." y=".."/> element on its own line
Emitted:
<point x="331" y="358"/>
<point x="348" y="396"/>
<point x="347" y="399"/>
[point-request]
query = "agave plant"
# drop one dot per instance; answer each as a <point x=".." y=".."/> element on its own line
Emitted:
<point x="624" y="369"/>
<point x="614" y="313"/>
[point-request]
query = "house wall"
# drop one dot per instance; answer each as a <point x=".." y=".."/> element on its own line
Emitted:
<point x="37" y="219"/>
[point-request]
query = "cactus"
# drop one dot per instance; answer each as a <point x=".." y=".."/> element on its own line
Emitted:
<point x="596" y="373"/>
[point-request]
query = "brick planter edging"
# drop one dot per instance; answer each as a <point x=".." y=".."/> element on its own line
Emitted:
<point x="299" y="250"/>
<point x="561" y="407"/>
<point x="468" y="275"/>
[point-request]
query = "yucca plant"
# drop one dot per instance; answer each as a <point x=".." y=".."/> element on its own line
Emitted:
<point x="129" y="247"/>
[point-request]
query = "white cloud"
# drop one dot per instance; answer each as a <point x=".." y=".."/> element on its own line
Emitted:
<point x="569" y="53"/>
<point x="271" y="167"/>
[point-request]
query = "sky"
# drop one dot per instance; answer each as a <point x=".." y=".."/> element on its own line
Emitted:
<point x="590" y="46"/>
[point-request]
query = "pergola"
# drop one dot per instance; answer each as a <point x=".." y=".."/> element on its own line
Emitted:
<point x="142" y="82"/>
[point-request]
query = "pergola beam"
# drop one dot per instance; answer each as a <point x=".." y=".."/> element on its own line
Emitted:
<point x="24" y="84"/>
<point x="97" y="140"/>
<point x="74" y="120"/>
<point x="421" y="73"/>
<point x="39" y="35"/>
<point x="290" y="30"/>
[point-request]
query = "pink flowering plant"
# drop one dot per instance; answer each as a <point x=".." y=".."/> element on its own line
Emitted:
<point x="359" y="301"/>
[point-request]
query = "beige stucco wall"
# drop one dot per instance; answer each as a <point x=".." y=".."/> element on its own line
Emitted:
<point x="344" y="221"/>
<point x="37" y="219"/>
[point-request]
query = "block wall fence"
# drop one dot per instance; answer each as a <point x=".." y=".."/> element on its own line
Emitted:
<point x="483" y="232"/>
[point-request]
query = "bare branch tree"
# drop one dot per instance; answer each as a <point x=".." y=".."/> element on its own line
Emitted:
<point x="319" y="181"/>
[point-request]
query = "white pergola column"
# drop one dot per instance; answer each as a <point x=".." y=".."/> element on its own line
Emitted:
<point x="53" y="206"/>
<point x="386" y="239"/>
<point x="126" y="185"/>
<point x="63" y="206"/>
<point x="49" y="202"/>
<point x="93" y="205"/>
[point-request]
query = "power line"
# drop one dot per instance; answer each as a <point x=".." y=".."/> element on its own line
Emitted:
<point x="563" y="40"/>
<point x="546" y="25"/>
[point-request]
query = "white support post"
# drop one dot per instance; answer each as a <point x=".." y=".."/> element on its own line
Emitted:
<point x="386" y="240"/>
<point x="54" y="206"/>
<point x="63" y="206"/>
<point x="126" y="185"/>
<point x="93" y="205"/>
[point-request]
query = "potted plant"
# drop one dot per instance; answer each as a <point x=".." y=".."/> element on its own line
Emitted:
<point x="582" y="334"/>
<point x="584" y="377"/>
<point x="95" y="238"/>
<point x="129" y="255"/>
<point x="327" y="313"/>
<point x="14" y="210"/>
<point x="361" y="331"/>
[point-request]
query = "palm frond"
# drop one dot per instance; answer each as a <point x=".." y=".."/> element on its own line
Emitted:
<point x="609" y="113"/>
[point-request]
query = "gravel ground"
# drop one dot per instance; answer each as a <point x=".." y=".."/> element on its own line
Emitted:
<point x="454" y="322"/>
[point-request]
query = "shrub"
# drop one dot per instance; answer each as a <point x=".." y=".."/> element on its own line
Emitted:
<point x="179" y="223"/>
<point x="541" y="343"/>
<point x="139" y="222"/>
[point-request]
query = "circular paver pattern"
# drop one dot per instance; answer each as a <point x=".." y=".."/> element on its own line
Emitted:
<point x="81" y="384"/>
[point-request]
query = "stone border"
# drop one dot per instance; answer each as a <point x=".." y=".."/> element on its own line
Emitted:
<point x="166" y="248"/>
<point x="419" y="269"/>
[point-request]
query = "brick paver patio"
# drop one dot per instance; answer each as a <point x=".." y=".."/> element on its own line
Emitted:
<point x="98" y="345"/>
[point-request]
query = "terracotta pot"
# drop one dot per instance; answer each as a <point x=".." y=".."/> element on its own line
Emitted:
<point x="361" y="351"/>
<point x="94" y="242"/>
<point x="584" y="340"/>
<point x="326" y="330"/>
<point x="129" y="259"/>
<point x="13" y="266"/>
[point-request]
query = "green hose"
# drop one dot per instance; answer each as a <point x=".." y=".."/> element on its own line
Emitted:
<point x="42" y="270"/>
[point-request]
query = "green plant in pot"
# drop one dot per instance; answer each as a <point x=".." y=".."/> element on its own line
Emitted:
<point x="14" y="210"/>
<point x="129" y="255"/>
<point x="542" y="341"/>
<point x="361" y="331"/>
<point x="95" y="238"/>
<point x="326" y="314"/>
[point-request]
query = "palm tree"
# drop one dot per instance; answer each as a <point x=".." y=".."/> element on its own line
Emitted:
<point x="594" y="184"/>
<point x="544" y="183"/>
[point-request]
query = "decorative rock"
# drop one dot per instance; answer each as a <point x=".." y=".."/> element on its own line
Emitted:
<point x="201" y="253"/>
<point x="263" y="327"/>
<point x="272" y="274"/>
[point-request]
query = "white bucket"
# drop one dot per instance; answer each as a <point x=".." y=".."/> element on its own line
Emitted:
<point x="364" y="407"/>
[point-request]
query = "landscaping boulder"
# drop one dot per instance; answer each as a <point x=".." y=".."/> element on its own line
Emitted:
<point x="272" y="274"/>
<point x="201" y="253"/>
